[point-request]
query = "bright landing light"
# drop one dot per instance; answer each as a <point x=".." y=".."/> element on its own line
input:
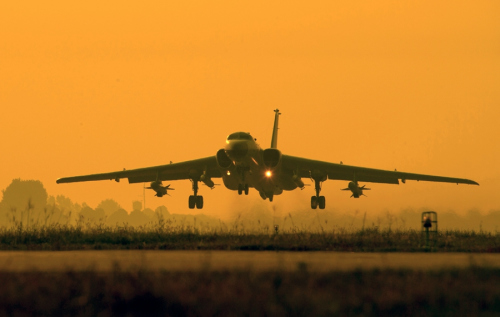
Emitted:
<point x="269" y="174"/>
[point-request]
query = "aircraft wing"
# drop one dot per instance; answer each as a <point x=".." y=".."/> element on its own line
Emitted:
<point x="307" y="167"/>
<point x="174" y="171"/>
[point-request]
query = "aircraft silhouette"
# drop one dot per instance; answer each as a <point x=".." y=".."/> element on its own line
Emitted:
<point x="243" y="164"/>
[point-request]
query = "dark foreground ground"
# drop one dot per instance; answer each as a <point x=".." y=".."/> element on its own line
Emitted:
<point x="302" y="290"/>
<point x="465" y="292"/>
<point x="256" y="261"/>
<point x="247" y="283"/>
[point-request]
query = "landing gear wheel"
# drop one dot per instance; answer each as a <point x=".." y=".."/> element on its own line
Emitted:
<point x="199" y="202"/>
<point x="192" y="201"/>
<point x="318" y="201"/>
<point x="246" y="189"/>
<point x="271" y="198"/>
<point x="240" y="189"/>
<point x="314" y="202"/>
<point x="321" y="202"/>
<point x="195" y="200"/>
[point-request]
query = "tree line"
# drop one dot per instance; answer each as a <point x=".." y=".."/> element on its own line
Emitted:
<point x="25" y="204"/>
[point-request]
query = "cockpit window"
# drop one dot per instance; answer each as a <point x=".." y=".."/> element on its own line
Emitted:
<point x="240" y="136"/>
<point x="245" y="136"/>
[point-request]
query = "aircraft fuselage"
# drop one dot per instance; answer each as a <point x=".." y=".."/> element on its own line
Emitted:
<point x="249" y="168"/>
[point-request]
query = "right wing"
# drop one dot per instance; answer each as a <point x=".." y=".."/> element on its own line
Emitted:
<point x="175" y="171"/>
<point x="306" y="167"/>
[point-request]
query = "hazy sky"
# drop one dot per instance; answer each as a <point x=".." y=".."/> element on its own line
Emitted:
<point x="98" y="86"/>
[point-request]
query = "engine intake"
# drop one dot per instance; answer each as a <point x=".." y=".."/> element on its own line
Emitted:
<point x="271" y="157"/>
<point x="223" y="160"/>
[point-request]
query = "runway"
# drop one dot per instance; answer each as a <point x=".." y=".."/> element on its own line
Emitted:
<point x="107" y="261"/>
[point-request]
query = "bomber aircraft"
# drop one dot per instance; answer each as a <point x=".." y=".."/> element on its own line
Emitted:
<point x="243" y="164"/>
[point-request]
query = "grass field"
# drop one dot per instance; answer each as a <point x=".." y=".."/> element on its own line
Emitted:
<point x="166" y="238"/>
<point x="468" y="292"/>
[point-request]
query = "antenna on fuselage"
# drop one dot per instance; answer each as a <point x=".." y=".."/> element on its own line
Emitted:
<point x="274" y="139"/>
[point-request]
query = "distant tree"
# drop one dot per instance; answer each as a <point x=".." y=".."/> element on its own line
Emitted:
<point x="491" y="221"/>
<point x="59" y="210"/>
<point x="162" y="210"/>
<point x="69" y="210"/>
<point x="138" y="218"/>
<point x="53" y="215"/>
<point x="109" y="206"/>
<point x="118" y="218"/>
<point x="23" y="202"/>
<point x="137" y="206"/>
<point x="51" y="201"/>
<point x="91" y="216"/>
<point x="150" y="213"/>
<point x="66" y="205"/>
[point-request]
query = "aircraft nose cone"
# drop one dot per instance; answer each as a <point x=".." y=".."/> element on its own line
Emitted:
<point x="237" y="150"/>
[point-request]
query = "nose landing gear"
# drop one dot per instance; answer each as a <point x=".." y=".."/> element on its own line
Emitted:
<point x="243" y="186"/>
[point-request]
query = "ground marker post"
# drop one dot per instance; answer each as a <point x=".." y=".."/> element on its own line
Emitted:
<point x="429" y="229"/>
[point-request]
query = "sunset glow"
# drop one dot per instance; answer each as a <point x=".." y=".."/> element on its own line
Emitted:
<point x="91" y="87"/>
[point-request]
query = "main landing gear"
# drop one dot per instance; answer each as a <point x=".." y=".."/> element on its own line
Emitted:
<point x="318" y="201"/>
<point x="195" y="200"/>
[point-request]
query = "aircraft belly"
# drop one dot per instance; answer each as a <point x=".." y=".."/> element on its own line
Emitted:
<point x="268" y="188"/>
<point x="230" y="181"/>
<point x="274" y="185"/>
<point x="255" y="177"/>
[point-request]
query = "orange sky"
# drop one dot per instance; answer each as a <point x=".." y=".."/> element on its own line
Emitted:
<point x="98" y="86"/>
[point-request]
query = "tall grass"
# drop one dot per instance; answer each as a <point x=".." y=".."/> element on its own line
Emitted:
<point x="167" y="237"/>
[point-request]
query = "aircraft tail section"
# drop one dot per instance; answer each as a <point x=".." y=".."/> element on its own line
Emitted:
<point x="274" y="140"/>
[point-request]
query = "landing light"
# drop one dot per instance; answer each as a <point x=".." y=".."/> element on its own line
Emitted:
<point x="228" y="173"/>
<point x="269" y="174"/>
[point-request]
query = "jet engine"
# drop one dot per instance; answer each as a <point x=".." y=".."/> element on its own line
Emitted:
<point x="355" y="189"/>
<point x="223" y="160"/>
<point x="272" y="158"/>
<point x="159" y="189"/>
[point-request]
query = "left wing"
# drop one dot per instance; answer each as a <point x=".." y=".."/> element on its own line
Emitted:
<point x="308" y="168"/>
<point x="175" y="171"/>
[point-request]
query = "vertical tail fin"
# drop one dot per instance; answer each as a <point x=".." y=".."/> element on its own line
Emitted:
<point x="274" y="140"/>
